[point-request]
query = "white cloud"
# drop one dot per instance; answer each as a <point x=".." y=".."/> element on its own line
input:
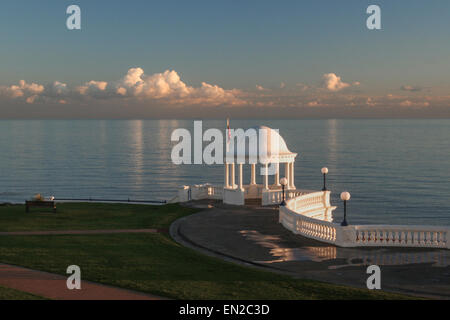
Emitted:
<point x="409" y="103"/>
<point x="59" y="88"/>
<point x="334" y="83"/>
<point x="411" y="88"/>
<point x="93" y="88"/>
<point x="155" y="86"/>
<point x="27" y="91"/>
<point x="313" y="104"/>
<point x="166" y="87"/>
<point x="370" y="102"/>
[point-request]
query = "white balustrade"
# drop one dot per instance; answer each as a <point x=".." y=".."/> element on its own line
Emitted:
<point x="308" y="213"/>
<point x="402" y="236"/>
<point x="215" y="192"/>
<point x="302" y="215"/>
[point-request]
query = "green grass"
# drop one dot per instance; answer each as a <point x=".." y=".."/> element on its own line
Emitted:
<point x="89" y="216"/>
<point x="11" y="294"/>
<point x="151" y="263"/>
<point x="155" y="264"/>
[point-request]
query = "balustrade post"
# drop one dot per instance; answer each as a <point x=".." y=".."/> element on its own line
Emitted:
<point x="447" y="239"/>
<point x="409" y="237"/>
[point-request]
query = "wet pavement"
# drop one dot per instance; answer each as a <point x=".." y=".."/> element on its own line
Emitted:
<point x="252" y="235"/>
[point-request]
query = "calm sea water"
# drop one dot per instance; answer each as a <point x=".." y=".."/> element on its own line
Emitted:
<point x="398" y="171"/>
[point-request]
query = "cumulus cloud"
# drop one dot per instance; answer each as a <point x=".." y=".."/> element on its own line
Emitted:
<point x="411" y="88"/>
<point x="169" y="87"/>
<point x="261" y="88"/>
<point x="370" y="102"/>
<point x="313" y="103"/>
<point x="94" y="89"/>
<point x="26" y="91"/>
<point x="166" y="87"/>
<point x="334" y="83"/>
<point x="155" y="86"/>
<point x="159" y="90"/>
<point x="409" y="103"/>
<point x="58" y="89"/>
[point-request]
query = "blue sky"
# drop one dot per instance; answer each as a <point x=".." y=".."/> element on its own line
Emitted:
<point x="232" y="44"/>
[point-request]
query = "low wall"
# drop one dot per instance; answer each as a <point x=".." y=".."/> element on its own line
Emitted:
<point x="233" y="196"/>
<point x="274" y="197"/>
<point x="301" y="215"/>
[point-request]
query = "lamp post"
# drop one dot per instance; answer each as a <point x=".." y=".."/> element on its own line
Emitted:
<point x="345" y="196"/>
<point x="324" y="172"/>
<point x="283" y="183"/>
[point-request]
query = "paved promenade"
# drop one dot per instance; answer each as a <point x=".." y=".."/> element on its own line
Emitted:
<point x="253" y="236"/>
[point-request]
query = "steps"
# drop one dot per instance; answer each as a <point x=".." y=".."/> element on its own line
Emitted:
<point x="253" y="202"/>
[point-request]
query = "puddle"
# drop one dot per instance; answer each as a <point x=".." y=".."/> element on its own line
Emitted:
<point x="351" y="256"/>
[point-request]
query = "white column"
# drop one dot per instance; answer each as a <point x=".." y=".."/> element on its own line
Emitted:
<point x="241" y="176"/>
<point x="293" y="177"/>
<point x="227" y="176"/>
<point x="233" y="176"/>
<point x="277" y="174"/>
<point x="253" y="174"/>
<point x="286" y="174"/>
<point x="291" y="180"/>
<point x="266" y="177"/>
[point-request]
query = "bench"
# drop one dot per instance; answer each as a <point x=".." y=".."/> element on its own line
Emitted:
<point x="40" y="204"/>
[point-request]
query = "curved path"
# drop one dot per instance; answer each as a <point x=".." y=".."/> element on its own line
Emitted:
<point x="253" y="236"/>
<point x="53" y="286"/>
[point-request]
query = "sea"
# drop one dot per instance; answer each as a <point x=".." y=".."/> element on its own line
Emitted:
<point x="397" y="171"/>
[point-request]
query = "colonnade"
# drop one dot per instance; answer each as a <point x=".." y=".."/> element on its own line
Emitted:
<point x="230" y="175"/>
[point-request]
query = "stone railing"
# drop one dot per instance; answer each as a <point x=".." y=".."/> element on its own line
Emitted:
<point x="404" y="236"/>
<point x="308" y="227"/>
<point x="274" y="197"/>
<point x="310" y="216"/>
<point x="215" y="192"/>
<point x="230" y="195"/>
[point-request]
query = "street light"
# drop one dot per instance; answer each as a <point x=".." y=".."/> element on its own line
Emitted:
<point x="324" y="172"/>
<point x="345" y="196"/>
<point x="283" y="183"/>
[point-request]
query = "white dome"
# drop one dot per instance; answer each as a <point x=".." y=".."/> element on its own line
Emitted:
<point x="272" y="144"/>
<point x="273" y="140"/>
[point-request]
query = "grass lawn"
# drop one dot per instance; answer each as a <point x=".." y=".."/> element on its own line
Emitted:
<point x="89" y="216"/>
<point x="152" y="263"/>
<point x="155" y="264"/>
<point x="11" y="294"/>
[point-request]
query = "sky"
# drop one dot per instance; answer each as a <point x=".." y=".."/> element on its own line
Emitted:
<point x="215" y="59"/>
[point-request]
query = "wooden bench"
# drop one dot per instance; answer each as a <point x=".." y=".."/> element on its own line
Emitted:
<point x="40" y="204"/>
